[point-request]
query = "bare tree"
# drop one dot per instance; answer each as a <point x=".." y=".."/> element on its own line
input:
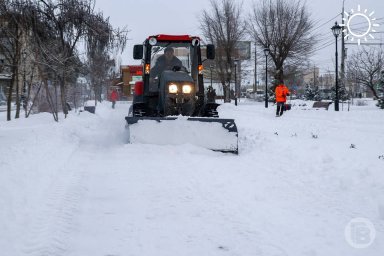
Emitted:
<point x="224" y="26"/>
<point x="102" y="40"/>
<point x="365" y="67"/>
<point x="12" y="30"/>
<point x="67" y="20"/>
<point x="293" y="74"/>
<point x="285" y="28"/>
<point x="66" y="23"/>
<point x="50" y="31"/>
<point x="380" y="100"/>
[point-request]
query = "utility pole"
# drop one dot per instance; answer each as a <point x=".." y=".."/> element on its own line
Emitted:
<point x="255" y="85"/>
<point x="342" y="64"/>
<point x="236" y="86"/>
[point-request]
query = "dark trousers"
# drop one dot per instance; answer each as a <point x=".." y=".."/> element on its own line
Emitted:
<point x="280" y="108"/>
<point x="113" y="103"/>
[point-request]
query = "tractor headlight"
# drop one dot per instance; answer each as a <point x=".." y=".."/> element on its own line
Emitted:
<point x="172" y="88"/>
<point x="187" y="88"/>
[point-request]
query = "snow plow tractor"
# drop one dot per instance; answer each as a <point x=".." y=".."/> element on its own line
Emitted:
<point x="169" y="105"/>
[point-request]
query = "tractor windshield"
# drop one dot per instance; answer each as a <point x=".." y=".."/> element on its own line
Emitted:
<point x="169" y="56"/>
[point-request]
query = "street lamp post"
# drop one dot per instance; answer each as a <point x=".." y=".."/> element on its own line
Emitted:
<point x="255" y="85"/>
<point x="211" y="67"/>
<point x="336" y="29"/>
<point x="236" y="89"/>
<point x="266" y="52"/>
<point x="229" y="71"/>
<point x="24" y="92"/>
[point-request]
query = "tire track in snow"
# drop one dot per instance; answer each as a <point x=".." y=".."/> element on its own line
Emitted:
<point x="52" y="229"/>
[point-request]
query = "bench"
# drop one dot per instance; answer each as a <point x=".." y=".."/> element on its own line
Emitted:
<point x="321" y="104"/>
<point x="90" y="109"/>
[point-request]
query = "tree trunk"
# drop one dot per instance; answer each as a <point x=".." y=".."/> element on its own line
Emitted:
<point x="372" y="88"/>
<point x="227" y="93"/>
<point x="17" y="115"/>
<point x="33" y="101"/>
<point x="98" y="92"/>
<point x="63" y="97"/>
<point x="50" y="101"/>
<point x="226" y="97"/>
<point x="28" y="96"/>
<point x="279" y="74"/>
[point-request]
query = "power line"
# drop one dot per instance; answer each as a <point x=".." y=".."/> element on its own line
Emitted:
<point x="364" y="22"/>
<point x="362" y="43"/>
<point x="319" y="26"/>
<point x="324" y="45"/>
<point x="363" y="27"/>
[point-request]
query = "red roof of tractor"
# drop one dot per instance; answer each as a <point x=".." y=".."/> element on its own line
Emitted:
<point x="162" y="37"/>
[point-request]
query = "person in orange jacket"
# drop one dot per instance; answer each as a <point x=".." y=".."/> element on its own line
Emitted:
<point x="114" y="97"/>
<point x="281" y="93"/>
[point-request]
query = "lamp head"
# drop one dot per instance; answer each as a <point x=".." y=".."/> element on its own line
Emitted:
<point x="266" y="51"/>
<point x="336" y="29"/>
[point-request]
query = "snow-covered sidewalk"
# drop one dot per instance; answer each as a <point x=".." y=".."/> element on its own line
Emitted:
<point x="77" y="188"/>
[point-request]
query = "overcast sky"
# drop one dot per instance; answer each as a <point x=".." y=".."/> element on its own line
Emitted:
<point x="150" y="17"/>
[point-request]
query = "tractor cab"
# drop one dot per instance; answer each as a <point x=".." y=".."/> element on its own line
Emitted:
<point x="180" y="55"/>
<point x="169" y="57"/>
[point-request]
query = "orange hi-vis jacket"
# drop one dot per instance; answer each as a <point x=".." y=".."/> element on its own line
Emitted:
<point x="281" y="93"/>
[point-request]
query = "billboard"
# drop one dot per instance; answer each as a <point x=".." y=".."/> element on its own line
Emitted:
<point x="243" y="50"/>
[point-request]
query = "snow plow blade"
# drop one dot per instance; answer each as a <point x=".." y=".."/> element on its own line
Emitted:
<point x="213" y="133"/>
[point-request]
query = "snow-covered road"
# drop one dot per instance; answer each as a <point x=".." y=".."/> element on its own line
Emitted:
<point x="76" y="188"/>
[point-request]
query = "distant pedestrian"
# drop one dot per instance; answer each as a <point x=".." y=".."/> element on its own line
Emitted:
<point x="281" y="93"/>
<point x="114" y="97"/>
